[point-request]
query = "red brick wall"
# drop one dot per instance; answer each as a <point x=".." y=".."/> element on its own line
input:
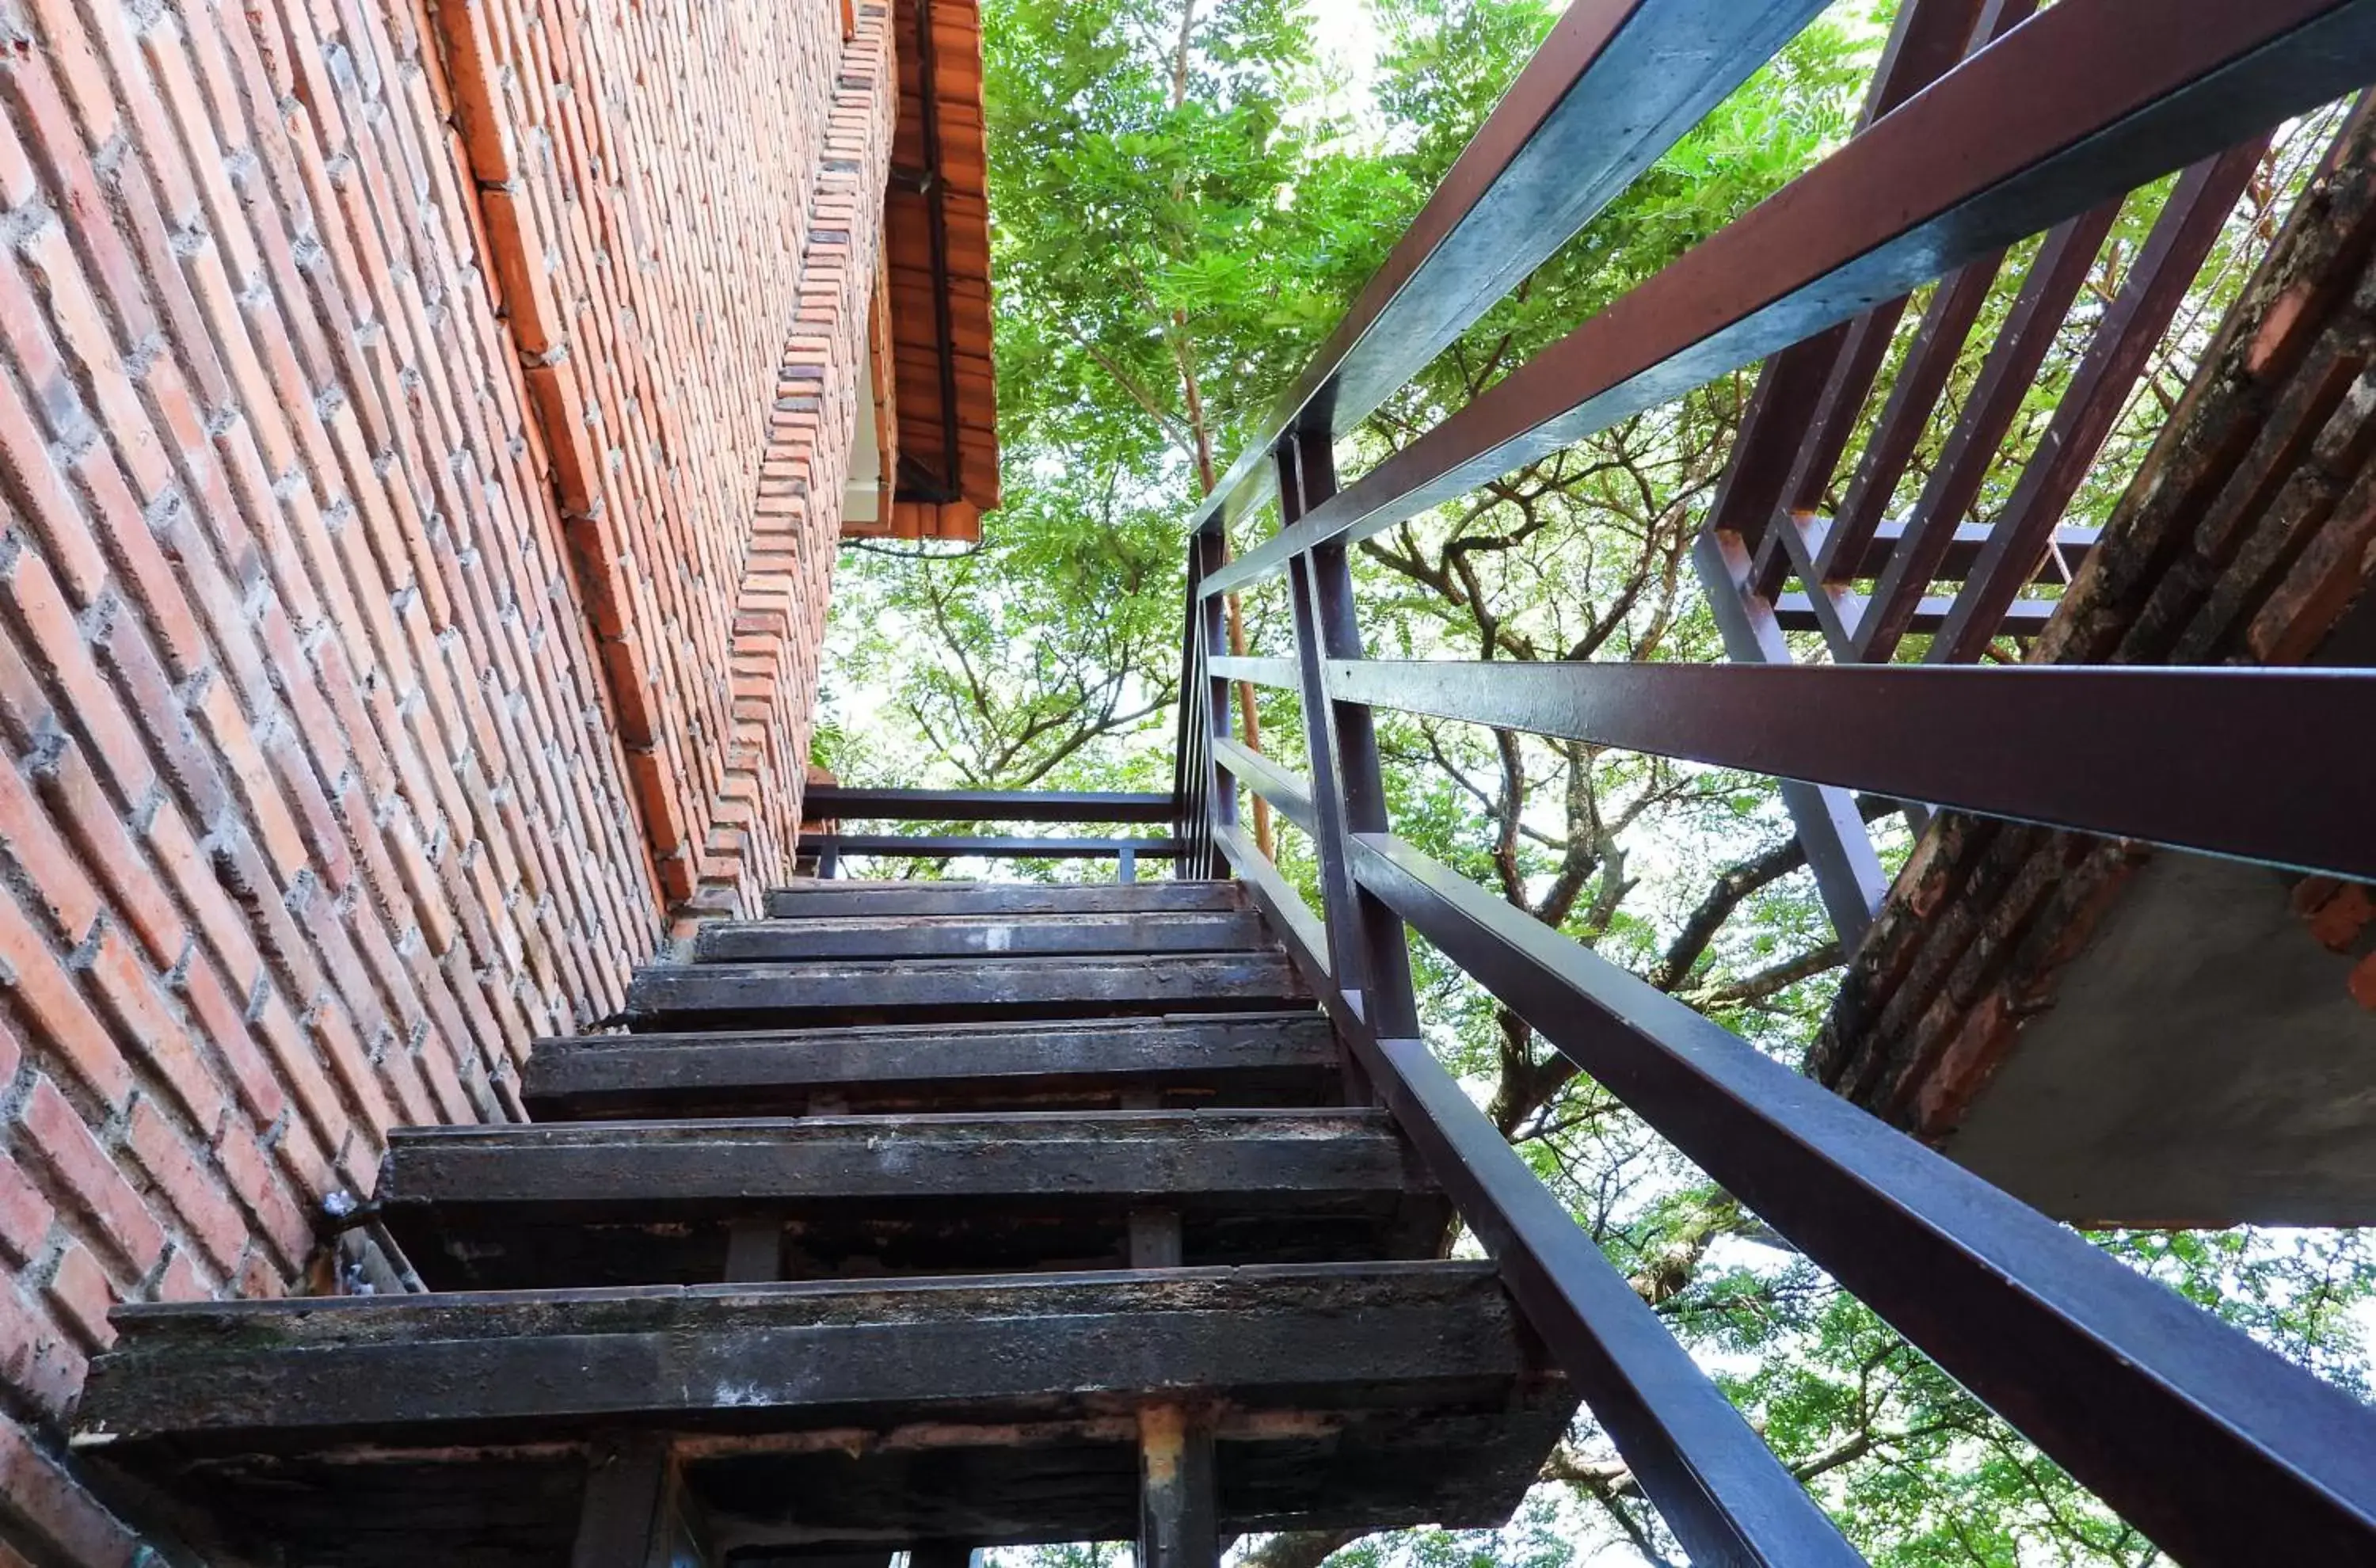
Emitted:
<point x="420" y="436"/>
<point x="651" y="297"/>
<point x="812" y="426"/>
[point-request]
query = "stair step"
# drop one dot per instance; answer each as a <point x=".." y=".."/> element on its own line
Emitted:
<point x="1245" y="1059"/>
<point x="947" y="937"/>
<point x="883" y="898"/>
<point x="376" y="1431"/>
<point x="638" y="1203"/>
<point x="949" y="990"/>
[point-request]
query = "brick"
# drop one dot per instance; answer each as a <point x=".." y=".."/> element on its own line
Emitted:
<point x="195" y="1191"/>
<point x="64" y="1029"/>
<point x="67" y="1522"/>
<point x="2337" y="921"/>
<point x="31" y="594"/>
<point x="223" y="1023"/>
<point x="144" y="1020"/>
<point x="277" y="1217"/>
<point x="89" y="1178"/>
<point x="71" y="789"/>
<point x="83" y="1295"/>
<point x="435" y="472"/>
<point x="527" y="291"/>
<point x="182" y="1281"/>
<point x="38" y="1360"/>
<point x="48" y="865"/>
<point x="25" y="1215"/>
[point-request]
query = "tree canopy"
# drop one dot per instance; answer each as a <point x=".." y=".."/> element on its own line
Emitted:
<point x="1185" y="197"/>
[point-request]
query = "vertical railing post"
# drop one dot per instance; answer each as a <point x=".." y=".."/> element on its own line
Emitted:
<point x="1187" y="792"/>
<point x="1366" y="945"/>
<point x="1327" y="802"/>
<point x="1220" y="794"/>
<point x="1848" y="872"/>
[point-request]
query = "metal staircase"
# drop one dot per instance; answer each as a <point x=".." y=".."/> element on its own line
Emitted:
<point x="914" y="1218"/>
<point x="926" y="1217"/>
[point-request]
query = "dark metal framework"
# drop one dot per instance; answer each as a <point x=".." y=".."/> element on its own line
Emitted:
<point x="834" y="803"/>
<point x="1987" y="125"/>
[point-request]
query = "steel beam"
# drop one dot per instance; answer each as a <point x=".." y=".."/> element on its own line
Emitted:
<point x="1288" y="795"/>
<point x="629" y="1516"/>
<point x="1803" y="390"/>
<point x="1715" y="1484"/>
<point x="2054" y="279"/>
<point x="2074" y="107"/>
<point x="2220" y="1450"/>
<point x="1279" y="673"/>
<point x="1282" y="904"/>
<point x="2182" y="235"/>
<point x="939" y="847"/>
<point x="1839" y="852"/>
<point x="2236" y="762"/>
<point x="829" y="803"/>
<point x="1615" y="85"/>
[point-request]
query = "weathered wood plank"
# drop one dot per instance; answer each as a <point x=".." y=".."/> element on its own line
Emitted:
<point x="943" y="937"/>
<point x="259" y="1375"/>
<point x="927" y="990"/>
<point x="622" y="1202"/>
<point x="888" y="898"/>
<point x="814" y="1418"/>
<point x="834" y="1498"/>
<point x="645" y="1168"/>
<point x="1232" y="1059"/>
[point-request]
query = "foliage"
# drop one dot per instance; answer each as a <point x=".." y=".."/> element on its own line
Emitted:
<point x="1183" y="207"/>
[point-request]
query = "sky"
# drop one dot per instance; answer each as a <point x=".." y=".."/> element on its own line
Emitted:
<point x="1348" y="33"/>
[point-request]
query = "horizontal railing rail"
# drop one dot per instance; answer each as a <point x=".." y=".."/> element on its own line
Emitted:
<point x="990" y="847"/>
<point x="2127" y="742"/>
<point x="2077" y="106"/>
<point x="833" y="803"/>
<point x="1611" y="91"/>
<point x="1986" y="129"/>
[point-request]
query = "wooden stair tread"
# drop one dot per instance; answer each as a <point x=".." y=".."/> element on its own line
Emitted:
<point x="925" y="990"/>
<point x="651" y="1202"/>
<point x="809" y="940"/>
<point x="1229" y="1059"/>
<point x="945" y="1118"/>
<point x="993" y="1409"/>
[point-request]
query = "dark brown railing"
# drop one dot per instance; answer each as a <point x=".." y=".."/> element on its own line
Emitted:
<point x="837" y="804"/>
<point x="1986" y="127"/>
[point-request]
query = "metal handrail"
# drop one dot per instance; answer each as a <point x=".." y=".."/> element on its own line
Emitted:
<point x="833" y="803"/>
<point x="2218" y="1449"/>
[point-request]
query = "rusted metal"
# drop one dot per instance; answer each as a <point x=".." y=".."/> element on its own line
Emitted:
<point x="2076" y="107"/>
<point x="1808" y="384"/>
<point x="835" y="803"/>
<point x="2221" y="1451"/>
<point x="1615" y="85"/>
<point x="2125" y="741"/>
<point x="2055" y="278"/>
<point x="2116" y="354"/>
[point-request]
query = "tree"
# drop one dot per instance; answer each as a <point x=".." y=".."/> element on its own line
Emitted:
<point x="1182" y="210"/>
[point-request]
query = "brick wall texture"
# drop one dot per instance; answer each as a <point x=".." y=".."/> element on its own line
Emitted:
<point x="422" y="430"/>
